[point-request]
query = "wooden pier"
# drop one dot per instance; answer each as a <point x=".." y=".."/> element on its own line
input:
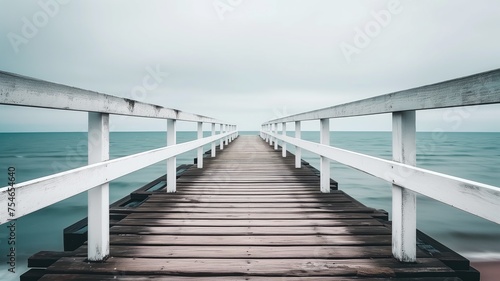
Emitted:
<point x="249" y="214"/>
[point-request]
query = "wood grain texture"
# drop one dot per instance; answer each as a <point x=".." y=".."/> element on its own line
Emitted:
<point x="81" y="277"/>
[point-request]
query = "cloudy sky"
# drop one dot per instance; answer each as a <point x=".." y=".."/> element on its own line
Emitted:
<point x="248" y="61"/>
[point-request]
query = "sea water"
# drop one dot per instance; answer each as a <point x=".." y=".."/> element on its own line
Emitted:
<point x="473" y="156"/>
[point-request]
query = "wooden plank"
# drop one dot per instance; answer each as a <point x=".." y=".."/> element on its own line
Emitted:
<point x="230" y="184"/>
<point x="32" y="275"/>
<point x="249" y="230"/>
<point x="320" y="237"/>
<point x="81" y="277"/>
<point x="253" y="267"/>
<point x="239" y="191"/>
<point x="255" y="172"/>
<point x="161" y="197"/>
<point x="249" y="223"/>
<point x="251" y="195"/>
<point x="216" y="180"/>
<point x="245" y="210"/>
<point x="246" y="199"/>
<point x="238" y="205"/>
<point x="246" y="252"/>
<point x="46" y="258"/>
<point x="251" y="216"/>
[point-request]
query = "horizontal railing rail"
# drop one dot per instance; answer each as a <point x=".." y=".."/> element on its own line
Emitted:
<point x="26" y="91"/>
<point x="478" y="89"/>
<point x="38" y="193"/>
<point x="476" y="198"/>
<point x="32" y="194"/>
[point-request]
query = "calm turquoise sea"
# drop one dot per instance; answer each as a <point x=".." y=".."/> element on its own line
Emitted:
<point x="474" y="156"/>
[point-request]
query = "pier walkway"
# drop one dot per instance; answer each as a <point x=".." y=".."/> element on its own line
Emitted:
<point x="249" y="211"/>
<point x="249" y="214"/>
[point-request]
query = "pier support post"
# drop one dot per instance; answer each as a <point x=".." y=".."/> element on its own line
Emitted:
<point x="404" y="214"/>
<point x="213" y="149"/>
<point x="98" y="197"/>
<point x="325" y="162"/>
<point x="283" y="144"/>
<point x="227" y="137"/>
<point x="298" y="150"/>
<point x="200" y="149"/>
<point x="221" y="130"/>
<point x="171" y="162"/>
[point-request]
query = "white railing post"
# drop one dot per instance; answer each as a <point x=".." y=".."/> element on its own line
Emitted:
<point x="268" y="129"/>
<point x="325" y="162"/>
<point x="227" y="137"/>
<point x="273" y="131"/>
<point x="171" y="162"/>
<point x="283" y="144"/>
<point x="221" y="130"/>
<point x="213" y="143"/>
<point x="298" y="150"/>
<point x="275" y="139"/>
<point x="404" y="214"/>
<point x="98" y="197"/>
<point x="271" y="139"/>
<point x="200" y="149"/>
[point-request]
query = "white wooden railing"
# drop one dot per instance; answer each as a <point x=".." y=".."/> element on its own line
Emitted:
<point x="36" y="194"/>
<point x="476" y="198"/>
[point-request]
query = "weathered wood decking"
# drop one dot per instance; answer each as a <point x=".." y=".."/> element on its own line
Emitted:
<point x="250" y="215"/>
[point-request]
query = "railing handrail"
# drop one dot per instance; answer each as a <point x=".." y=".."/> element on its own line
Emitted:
<point x="478" y="89"/>
<point x="26" y="91"/>
<point x="41" y="192"/>
<point x="476" y="198"/>
<point x="51" y="189"/>
<point x="483" y="205"/>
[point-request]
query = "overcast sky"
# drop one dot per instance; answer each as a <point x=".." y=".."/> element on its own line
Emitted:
<point x="248" y="61"/>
